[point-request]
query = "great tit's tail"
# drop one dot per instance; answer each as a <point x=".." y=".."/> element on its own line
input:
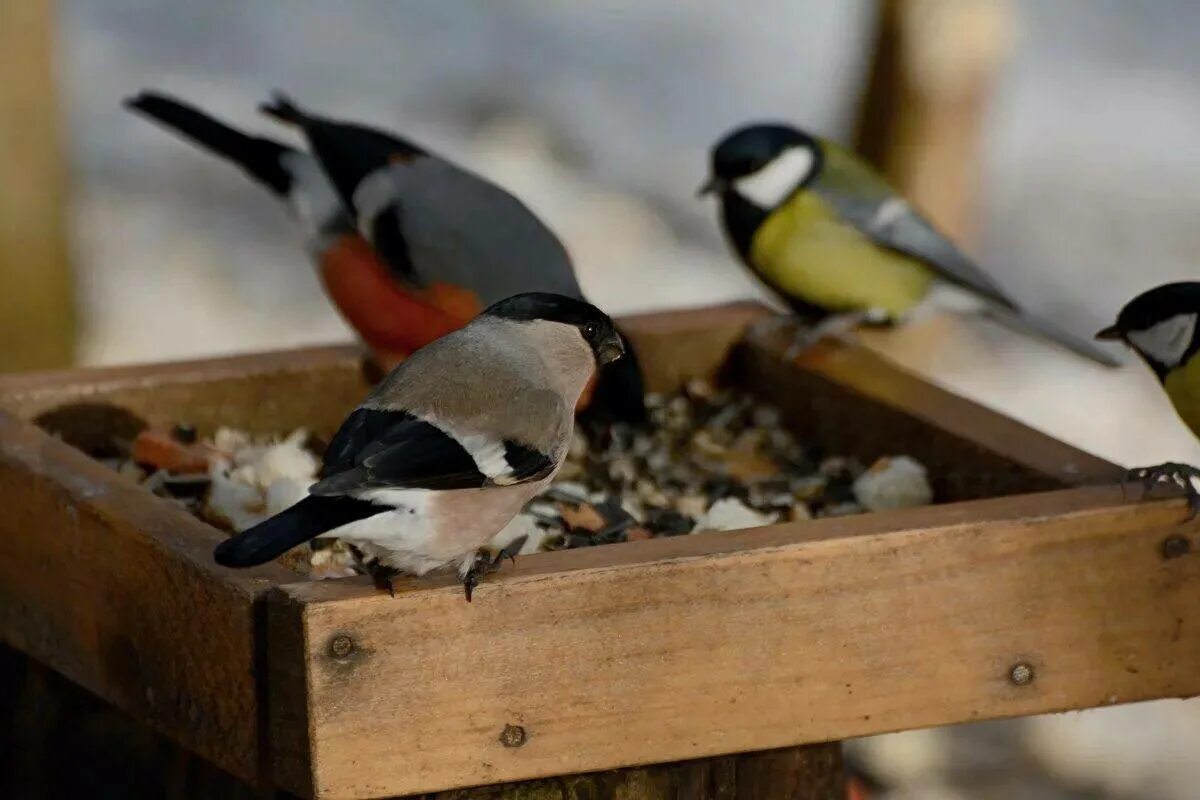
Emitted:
<point x="261" y="158"/>
<point x="1024" y="322"/>
<point x="306" y="520"/>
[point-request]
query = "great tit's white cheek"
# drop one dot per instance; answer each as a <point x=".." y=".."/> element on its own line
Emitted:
<point x="772" y="184"/>
<point x="1168" y="341"/>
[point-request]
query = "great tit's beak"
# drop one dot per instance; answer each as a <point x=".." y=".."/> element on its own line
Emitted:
<point x="610" y="350"/>
<point x="1110" y="334"/>
<point x="713" y="184"/>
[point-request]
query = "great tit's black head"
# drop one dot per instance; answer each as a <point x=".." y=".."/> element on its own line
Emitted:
<point x="764" y="163"/>
<point x="593" y="324"/>
<point x="1160" y="325"/>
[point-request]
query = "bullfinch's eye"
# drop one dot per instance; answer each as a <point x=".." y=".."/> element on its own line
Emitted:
<point x="591" y="329"/>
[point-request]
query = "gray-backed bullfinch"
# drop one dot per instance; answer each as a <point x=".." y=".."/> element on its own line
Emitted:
<point x="431" y="220"/>
<point x="452" y="444"/>
<point x="398" y="310"/>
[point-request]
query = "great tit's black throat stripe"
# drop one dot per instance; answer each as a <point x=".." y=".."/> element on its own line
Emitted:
<point x="742" y="220"/>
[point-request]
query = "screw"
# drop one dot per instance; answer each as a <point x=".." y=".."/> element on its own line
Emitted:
<point x="1175" y="546"/>
<point x="341" y="646"/>
<point x="1021" y="674"/>
<point x="512" y="736"/>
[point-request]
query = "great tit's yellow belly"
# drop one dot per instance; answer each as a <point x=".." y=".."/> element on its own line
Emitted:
<point x="1183" y="387"/>
<point x="804" y="250"/>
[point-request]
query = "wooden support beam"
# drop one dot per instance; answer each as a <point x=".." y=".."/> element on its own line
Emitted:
<point x="923" y="112"/>
<point x="37" y="319"/>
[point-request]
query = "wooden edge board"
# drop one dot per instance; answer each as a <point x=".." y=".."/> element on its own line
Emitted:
<point x="873" y="376"/>
<point x="712" y="644"/>
<point x="116" y="589"/>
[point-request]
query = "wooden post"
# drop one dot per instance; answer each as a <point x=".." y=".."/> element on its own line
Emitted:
<point x="36" y="304"/>
<point x="932" y="74"/>
<point x="46" y="722"/>
<point x="792" y="773"/>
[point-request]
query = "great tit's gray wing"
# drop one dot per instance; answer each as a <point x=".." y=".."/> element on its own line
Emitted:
<point x="864" y="199"/>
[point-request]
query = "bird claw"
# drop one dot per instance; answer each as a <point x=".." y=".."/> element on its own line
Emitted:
<point x="1181" y="475"/>
<point x="469" y="581"/>
<point x="509" y="551"/>
<point x="382" y="577"/>
<point x="488" y="561"/>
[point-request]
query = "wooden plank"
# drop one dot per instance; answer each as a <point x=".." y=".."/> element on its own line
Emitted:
<point x="707" y="645"/>
<point x="270" y="392"/>
<point x="317" y="386"/>
<point x="37" y="304"/>
<point x="116" y="589"/>
<point x="676" y="346"/>
<point x="853" y="401"/>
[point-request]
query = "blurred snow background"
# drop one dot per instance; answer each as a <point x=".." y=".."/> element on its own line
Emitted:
<point x="599" y="116"/>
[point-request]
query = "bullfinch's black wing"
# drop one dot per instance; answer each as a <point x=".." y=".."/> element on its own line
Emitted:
<point x="379" y="449"/>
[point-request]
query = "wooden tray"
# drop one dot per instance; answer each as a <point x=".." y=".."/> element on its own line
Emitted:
<point x="1055" y="594"/>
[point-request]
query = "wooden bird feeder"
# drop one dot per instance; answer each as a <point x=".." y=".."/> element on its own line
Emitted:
<point x="722" y="661"/>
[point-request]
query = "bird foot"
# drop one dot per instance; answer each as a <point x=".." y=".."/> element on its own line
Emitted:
<point x="835" y="326"/>
<point x="769" y="327"/>
<point x="382" y="577"/>
<point x="488" y="560"/>
<point x="1180" y="475"/>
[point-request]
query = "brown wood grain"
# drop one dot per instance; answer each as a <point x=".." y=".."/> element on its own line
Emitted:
<point x="707" y="645"/>
<point x="853" y="401"/>
<point x="116" y="589"/>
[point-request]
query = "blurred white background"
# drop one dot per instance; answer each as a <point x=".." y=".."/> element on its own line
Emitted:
<point x="599" y="116"/>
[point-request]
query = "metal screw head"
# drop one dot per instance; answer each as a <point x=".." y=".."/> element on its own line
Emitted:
<point x="341" y="646"/>
<point x="512" y="736"/>
<point x="1175" y="546"/>
<point x="1021" y="674"/>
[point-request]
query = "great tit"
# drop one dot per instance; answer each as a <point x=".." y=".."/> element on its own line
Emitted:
<point x="828" y="234"/>
<point x="451" y="445"/>
<point x="431" y="220"/>
<point x="1160" y="326"/>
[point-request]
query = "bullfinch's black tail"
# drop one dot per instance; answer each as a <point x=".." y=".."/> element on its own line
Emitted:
<point x="620" y="394"/>
<point x="261" y="158"/>
<point x="306" y="520"/>
<point x="282" y="108"/>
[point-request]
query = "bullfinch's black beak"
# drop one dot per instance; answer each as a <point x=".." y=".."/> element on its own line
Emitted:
<point x="610" y="350"/>
<point x="1110" y="334"/>
<point x="711" y="185"/>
